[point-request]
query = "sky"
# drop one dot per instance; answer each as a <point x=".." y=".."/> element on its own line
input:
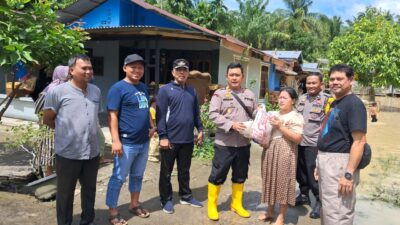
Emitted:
<point x="346" y="9"/>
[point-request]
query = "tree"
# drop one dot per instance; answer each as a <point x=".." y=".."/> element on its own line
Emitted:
<point x="372" y="47"/>
<point x="182" y="8"/>
<point x="30" y="33"/>
<point x="298" y="16"/>
<point x="253" y="25"/>
<point x="210" y="14"/>
<point x="306" y="31"/>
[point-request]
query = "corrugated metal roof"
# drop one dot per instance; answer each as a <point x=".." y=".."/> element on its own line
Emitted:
<point x="284" y="54"/>
<point x="82" y="7"/>
<point x="117" y="27"/>
<point x="310" y="68"/>
<point x="77" y="9"/>
<point x="310" y="65"/>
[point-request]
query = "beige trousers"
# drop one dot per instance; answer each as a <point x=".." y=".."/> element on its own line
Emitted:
<point x="336" y="209"/>
<point x="153" y="149"/>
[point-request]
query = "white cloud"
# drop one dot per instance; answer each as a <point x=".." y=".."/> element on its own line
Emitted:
<point x="231" y="4"/>
<point x="346" y="9"/>
<point x="352" y="11"/>
<point x="390" y="5"/>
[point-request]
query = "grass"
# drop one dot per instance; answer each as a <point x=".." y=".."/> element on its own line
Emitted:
<point x="386" y="186"/>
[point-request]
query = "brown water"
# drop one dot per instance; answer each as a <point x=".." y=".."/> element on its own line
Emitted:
<point x="384" y="138"/>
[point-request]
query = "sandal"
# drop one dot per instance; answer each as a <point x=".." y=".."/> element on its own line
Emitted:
<point x="265" y="217"/>
<point x="117" y="220"/>
<point x="139" y="211"/>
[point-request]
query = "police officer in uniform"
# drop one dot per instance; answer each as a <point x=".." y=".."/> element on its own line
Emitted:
<point x="313" y="105"/>
<point x="232" y="149"/>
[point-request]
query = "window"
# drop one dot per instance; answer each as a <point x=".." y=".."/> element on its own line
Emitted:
<point x="264" y="81"/>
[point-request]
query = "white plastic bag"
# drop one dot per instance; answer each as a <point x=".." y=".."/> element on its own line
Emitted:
<point x="261" y="127"/>
<point x="248" y="132"/>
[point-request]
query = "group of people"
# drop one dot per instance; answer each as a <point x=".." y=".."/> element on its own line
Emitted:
<point x="317" y="140"/>
<point x="306" y="142"/>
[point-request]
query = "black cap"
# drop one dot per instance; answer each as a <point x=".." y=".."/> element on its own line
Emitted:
<point x="133" y="58"/>
<point x="178" y="63"/>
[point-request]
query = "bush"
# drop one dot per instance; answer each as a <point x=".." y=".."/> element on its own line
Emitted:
<point x="204" y="151"/>
<point x="28" y="138"/>
<point x="270" y="106"/>
<point x="205" y="117"/>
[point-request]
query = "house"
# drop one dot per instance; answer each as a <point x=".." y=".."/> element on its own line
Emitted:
<point x="299" y="69"/>
<point x="121" y="27"/>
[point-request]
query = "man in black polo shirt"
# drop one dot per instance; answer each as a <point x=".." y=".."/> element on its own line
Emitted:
<point x="339" y="156"/>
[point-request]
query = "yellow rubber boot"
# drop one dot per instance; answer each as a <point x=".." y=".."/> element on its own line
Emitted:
<point x="213" y="192"/>
<point x="236" y="205"/>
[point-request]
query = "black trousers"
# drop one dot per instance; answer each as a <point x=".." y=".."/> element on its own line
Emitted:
<point x="226" y="157"/>
<point x="69" y="171"/>
<point x="305" y="170"/>
<point x="182" y="153"/>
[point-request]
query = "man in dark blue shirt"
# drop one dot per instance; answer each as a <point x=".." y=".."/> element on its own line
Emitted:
<point x="177" y="115"/>
<point x="130" y="126"/>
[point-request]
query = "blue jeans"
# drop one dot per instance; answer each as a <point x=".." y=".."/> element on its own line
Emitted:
<point x="133" y="161"/>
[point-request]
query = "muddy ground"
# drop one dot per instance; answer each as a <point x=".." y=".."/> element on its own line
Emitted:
<point x="383" y="136"/>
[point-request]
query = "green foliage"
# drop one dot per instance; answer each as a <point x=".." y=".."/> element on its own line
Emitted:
<point x="294" y="28"/>
<point x="372" y="47"/>
<point x="30" y="32"/>
<point x="204" y="151"/>
<point x="270" y="106"/>
<point x="28" y="138"/>
<point x="205" y="117"/>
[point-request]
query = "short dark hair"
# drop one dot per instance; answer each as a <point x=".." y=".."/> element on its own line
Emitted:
<point x="152" y="99"/>
<point x="342" y="68"/>
<point x="233" y="65"/>
<point x="292" y="93"/>
<point x="73" y="59"/>
<point x="320" y="77"/>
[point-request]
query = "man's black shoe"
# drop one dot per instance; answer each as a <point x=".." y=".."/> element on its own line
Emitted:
<point x="302" y="200"/>
<point x="315" y="213"/>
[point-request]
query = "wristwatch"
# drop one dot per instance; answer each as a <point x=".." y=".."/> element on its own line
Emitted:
<point x="348" y="176"/>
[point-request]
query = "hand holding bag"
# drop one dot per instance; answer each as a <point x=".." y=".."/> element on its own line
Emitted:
<point x="249" y="124"/>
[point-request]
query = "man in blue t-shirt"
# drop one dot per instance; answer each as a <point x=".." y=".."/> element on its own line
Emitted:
<point x="131" y="127"/>
<point x="177" y="115"/>
<point x="341" y="145"/>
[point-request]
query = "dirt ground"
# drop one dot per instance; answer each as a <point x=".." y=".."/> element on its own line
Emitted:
<point x="383" y="136"/>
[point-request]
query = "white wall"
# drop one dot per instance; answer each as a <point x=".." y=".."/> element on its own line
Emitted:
<point x="254" y="73"/>
<point x="252" y="70"/>
<point x="109" y="50"/>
